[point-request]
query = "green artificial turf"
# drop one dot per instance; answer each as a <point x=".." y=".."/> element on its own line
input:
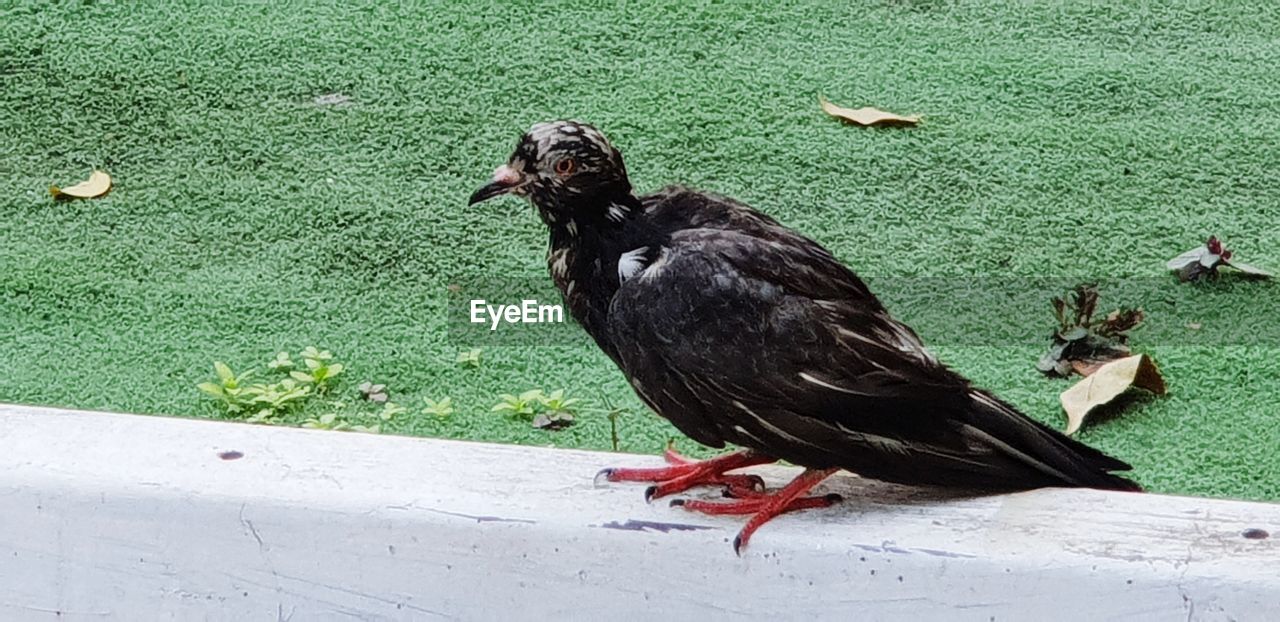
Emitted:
<point x="1061" y="138"/>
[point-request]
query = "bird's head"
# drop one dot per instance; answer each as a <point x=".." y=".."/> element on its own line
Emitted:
<point x="563" y="168"/>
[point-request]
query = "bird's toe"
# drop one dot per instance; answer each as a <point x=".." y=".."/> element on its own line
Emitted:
<point x="602" y="478"/>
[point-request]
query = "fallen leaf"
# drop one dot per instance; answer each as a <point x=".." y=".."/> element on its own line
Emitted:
<point x="1107" y="383"/>
<point x="373" y="392"/>
<point x="1206" y="260"/>
<point x="97" y="185"/>
<point x="1249" y="270"/>
<point x="866" y="116"/>
<point x="1086" y="368"/>
<point x="553" y="421"/>
<point x="1185" y="259"/>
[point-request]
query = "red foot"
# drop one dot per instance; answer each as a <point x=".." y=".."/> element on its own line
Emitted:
<point x="754" y="505"/>
<point x="764" y="507"/>
<point x="684" y="474"/>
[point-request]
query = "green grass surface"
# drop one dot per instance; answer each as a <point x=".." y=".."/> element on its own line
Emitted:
<point x="1060" y="139"/>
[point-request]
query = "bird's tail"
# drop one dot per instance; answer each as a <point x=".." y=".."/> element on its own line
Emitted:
<point x="1063" y="461"/>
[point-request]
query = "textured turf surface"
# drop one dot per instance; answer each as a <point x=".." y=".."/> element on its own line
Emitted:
<point x="1072" y="139"/>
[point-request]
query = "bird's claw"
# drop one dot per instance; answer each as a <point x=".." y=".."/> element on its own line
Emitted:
<point x="603" y="477"/>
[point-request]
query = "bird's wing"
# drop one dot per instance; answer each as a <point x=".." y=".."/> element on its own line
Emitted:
<point x="764" y="339"/>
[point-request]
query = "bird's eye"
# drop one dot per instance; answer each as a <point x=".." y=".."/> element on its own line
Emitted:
<point x="566" y="167"/>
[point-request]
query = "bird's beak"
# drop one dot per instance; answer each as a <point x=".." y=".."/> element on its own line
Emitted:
<point x="505" y="179"/>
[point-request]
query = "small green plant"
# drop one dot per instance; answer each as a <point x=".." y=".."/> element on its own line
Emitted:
<point x="613" y="413"/>
<point x="1082" y="340"/>
<point x="229" y="389"/>
<point x="524" y="405"/>
<point x="557" y="403"/>
<point x="339" y="423"/>
<point x="321" y="369"/>
<point x="558" y="411"/>
<point x="470" y="359"/>
<point x="268" y="400"/>
<point x="543" y="411"/>
<point x="328" y="421"/>
<point x="390" y="410"/>
<point x="296" y="389"/>
<point x="441" y="409"/>
<point x="281" y="362"/>
<point x="275" y="399"/>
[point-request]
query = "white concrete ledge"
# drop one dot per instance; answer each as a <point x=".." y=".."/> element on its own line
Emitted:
<point x="107" y="516"/>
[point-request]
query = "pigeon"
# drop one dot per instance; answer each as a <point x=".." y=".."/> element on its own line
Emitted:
<point x="742" y="332"/>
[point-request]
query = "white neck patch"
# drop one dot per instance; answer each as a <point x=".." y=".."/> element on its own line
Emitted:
<point x="630" y="263"/>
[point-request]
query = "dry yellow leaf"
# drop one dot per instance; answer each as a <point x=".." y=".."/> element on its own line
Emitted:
<point x="97" y="185"/>
<point x="1106" y="384"/>
<point x="866" y="116"/>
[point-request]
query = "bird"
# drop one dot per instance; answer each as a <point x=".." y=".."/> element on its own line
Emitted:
<point x="744" y="333"/>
